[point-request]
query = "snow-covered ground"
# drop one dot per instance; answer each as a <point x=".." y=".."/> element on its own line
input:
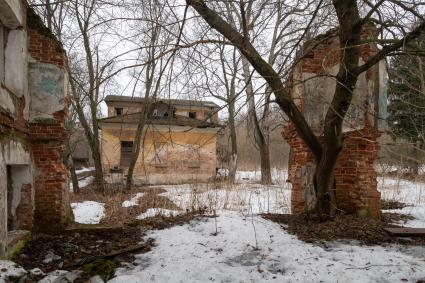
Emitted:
<point x="409" y="192"/>
<point x="88" y="212"/>
<point x="240" y="246"/>
<point x="251" y="249"/>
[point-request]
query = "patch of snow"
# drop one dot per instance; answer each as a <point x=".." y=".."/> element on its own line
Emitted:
<point x="96" y="279"/>
<point x="61" y="276"/>
<point x="85" y="182"/>
<point x="278" y="176"/>
<point x="82" y="183"/>
<point x="152" y="212"/>
<point x="416" y="211"/>
<point x="37" y="271"/>
<point x="88" y="212"/>
<point x="84" y="169"/>
<point x="133" y="201"/>
<point x="51" y="256"/>
<point x="401" y="190"/>
<point x="10" y="271"/>
<point x="252" y="249"/>
<point x="408" y="192"/>
<point x="222" y="172"/>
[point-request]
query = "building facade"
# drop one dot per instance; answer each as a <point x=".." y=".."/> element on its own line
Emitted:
<point x="33" y="107"/>
<point x="178" y="142"/>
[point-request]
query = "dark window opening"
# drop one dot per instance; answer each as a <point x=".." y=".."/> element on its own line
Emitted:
<point x="118" y="111"/>
<point x="192" y="115"/>
<point x="126" y="153"/>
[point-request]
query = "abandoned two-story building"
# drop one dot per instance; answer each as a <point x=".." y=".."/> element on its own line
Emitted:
<point x="33" y="106"/>
<point x="178" y="142"/>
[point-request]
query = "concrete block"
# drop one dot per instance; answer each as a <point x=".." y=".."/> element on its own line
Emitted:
<point x="16" y="62"/>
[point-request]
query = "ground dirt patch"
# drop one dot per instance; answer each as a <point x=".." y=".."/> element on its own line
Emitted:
<point x="366" y="231"/>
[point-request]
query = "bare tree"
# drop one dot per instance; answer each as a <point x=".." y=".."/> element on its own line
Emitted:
<point x="350" y="26"/>
<point x="156" y="40"/>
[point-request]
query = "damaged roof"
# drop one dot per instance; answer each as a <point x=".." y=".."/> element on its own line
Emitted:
<point x="175" y="102"/>
<point x="175" y="120"/>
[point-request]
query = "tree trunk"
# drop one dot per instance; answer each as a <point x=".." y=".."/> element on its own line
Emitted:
<point x="74" y="178"/>
<point x="266" y="176"/>
<point x="233" y="158"/>
<point x="259" y="138"/>
<point x="98" y="170"/>
<point x="349" y="35"/>
<point x="136" y="145"/>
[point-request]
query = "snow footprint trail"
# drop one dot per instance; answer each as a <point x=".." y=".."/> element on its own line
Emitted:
<point x="191" y="253"/>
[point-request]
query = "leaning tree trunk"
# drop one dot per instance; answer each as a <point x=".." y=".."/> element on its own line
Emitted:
<point x="259" y="138"/>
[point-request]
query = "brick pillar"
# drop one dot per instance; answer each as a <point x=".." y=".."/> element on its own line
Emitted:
<point x="51" y="192"/>
<point x="355" y="176"/>
<point x="47" y="133"/>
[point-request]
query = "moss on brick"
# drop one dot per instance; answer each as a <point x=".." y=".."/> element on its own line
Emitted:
<point x="15" y="249"/>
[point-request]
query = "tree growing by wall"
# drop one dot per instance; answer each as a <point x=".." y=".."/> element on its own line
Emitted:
<point x="350" y="24"/>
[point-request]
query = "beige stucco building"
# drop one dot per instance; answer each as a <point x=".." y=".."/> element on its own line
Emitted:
<point x="178" y="142"/>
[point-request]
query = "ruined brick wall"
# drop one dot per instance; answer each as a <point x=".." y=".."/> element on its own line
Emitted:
<point x="355" y="176"/>
<point x="51" y="195"/>
<point x="48" y="139"/>
<point x="45" y="48"/>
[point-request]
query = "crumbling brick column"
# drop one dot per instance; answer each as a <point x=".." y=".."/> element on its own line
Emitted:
<point x="47" y="130"/>
<point x="355" y="176"/>
<point x="51" y="192"/>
